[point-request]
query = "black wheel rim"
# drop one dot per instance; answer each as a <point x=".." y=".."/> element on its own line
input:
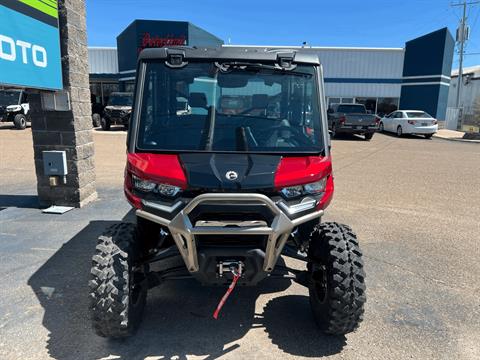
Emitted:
<point x="137" y="283"/>
<point x="320" y="284"/>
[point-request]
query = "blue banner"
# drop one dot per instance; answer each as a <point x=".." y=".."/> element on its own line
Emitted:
<point x="29" y="48"/>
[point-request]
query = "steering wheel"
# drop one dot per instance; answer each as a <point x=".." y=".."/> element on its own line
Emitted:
<point x="299" y="135"/>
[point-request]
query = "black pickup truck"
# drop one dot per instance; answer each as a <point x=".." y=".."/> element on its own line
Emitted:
<point x="352" y="119"/>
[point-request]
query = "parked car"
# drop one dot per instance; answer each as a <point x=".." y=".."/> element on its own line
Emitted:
<point x="118" y="110"/>
<point x="409" y="122"/>
<point x="352" y="119"/>
<point x="14" y="107"/>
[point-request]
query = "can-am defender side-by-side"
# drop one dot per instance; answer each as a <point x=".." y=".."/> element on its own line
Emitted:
<point x="228" y="168"/>
<point x="14" y="107"/>
<point x="118" y="110"/>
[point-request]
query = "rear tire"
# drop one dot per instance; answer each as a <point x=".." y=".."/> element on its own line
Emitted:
<point x="368" y="136"/>
<point x="399" y="131"/>
<point x="96" y="120"/>
<point x="337" y="279"/>
<point x="428" y="136"/>
<point x="20" y="121"/>
<point x="105" y="123"/>
<point x="117" y="292"/>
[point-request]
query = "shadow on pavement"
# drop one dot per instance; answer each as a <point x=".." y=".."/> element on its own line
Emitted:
<point x="113" y="128"/>
<point x="405" y="136"/>
<point x="11" y="126"/>
<point x="178" y="317"/>
<point x="19" y="201"/>
<point x="348" y="137"/>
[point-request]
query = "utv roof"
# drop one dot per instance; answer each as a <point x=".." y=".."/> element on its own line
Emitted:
<point x="231" y="53"/>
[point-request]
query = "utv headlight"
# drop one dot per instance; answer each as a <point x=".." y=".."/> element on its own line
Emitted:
<point x="150" y="186"/>
<point x="314" y="188"/>
<point x="167" y="190"/>
<point x="143" y="185"/>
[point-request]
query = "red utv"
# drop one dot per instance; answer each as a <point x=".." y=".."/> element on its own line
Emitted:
<point x="228" y="168"/>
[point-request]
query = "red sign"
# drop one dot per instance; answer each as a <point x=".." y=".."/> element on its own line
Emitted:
<point x="149" y="41"/>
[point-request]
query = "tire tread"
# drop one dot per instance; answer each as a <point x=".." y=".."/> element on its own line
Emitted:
<point x="109" y="284"/>
<point x="346" y="282"/>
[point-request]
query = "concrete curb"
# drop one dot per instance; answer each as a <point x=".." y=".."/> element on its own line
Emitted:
<point x="456" y="139"/>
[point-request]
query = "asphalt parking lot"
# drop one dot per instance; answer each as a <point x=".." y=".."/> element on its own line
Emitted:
<point x="414" y="203"/>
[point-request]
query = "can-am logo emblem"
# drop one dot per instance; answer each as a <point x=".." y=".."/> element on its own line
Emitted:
<point x="231" y="175"/>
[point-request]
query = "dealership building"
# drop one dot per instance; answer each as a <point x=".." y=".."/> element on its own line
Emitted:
<point x="416" y="76"/>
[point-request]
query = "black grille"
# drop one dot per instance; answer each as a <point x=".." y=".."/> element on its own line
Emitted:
<point x="237" y="212"/>
<point x="116" y="113"/>
<point x="249" y="241"/>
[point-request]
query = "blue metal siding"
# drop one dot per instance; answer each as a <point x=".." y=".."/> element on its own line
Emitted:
<point x="425" y="55"/>
<point x="428" y="59"/>
<point x="421" y="97"/>
<point x="442" y="102"/>
<point x="362" y="81"/>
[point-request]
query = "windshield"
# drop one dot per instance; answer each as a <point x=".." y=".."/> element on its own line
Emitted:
<point x="241" y="108"/>
<point x="418" y="114"/>
<point x="9" y="97"/>
<point x="351" y="109"/>
<point x="120" y="100"/>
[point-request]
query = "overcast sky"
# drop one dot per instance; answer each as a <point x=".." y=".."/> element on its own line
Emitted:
<point x="369" y="23"/>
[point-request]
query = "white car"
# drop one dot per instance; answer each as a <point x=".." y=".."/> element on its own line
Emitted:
<point x="409" y="122"/>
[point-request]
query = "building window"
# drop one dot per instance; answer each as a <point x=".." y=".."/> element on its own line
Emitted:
<point x="129" y="87"/>
<point x="370" y="103"/>
<point x="333" y="100"/>
<point x="101" y="91"/>
<point x="347" y="100"/>
<point x="387" y="105"/>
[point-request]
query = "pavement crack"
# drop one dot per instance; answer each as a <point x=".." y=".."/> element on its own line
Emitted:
<point x="422" y="276"/>
<point x="364" y="157"/>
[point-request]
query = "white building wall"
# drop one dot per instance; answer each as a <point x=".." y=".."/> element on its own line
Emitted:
<point x="361" y="62"/>
<point x="368" y="64"/>
<point x="348" y="72"/>
<point x="102" y="60"/>
<point x="470" y="92"/>
<point x="362" y="90"/>
<point x="376" y="66"/>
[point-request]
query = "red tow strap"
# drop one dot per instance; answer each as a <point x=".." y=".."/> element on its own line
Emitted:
<point x="222" y="302"/>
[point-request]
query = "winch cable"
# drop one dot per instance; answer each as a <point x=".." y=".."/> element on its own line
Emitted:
<point x="236" y="275"/>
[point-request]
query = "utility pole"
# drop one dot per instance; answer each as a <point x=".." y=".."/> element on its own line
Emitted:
<point x="462" y="38"/>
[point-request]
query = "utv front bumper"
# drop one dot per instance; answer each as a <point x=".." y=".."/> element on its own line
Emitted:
<point x="276" y="231"/>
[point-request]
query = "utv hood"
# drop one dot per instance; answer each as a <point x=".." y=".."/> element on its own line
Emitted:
<point x="230" y="171"/>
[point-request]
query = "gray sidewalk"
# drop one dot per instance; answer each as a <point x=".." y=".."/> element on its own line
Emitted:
<point x="453" y="135"/>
